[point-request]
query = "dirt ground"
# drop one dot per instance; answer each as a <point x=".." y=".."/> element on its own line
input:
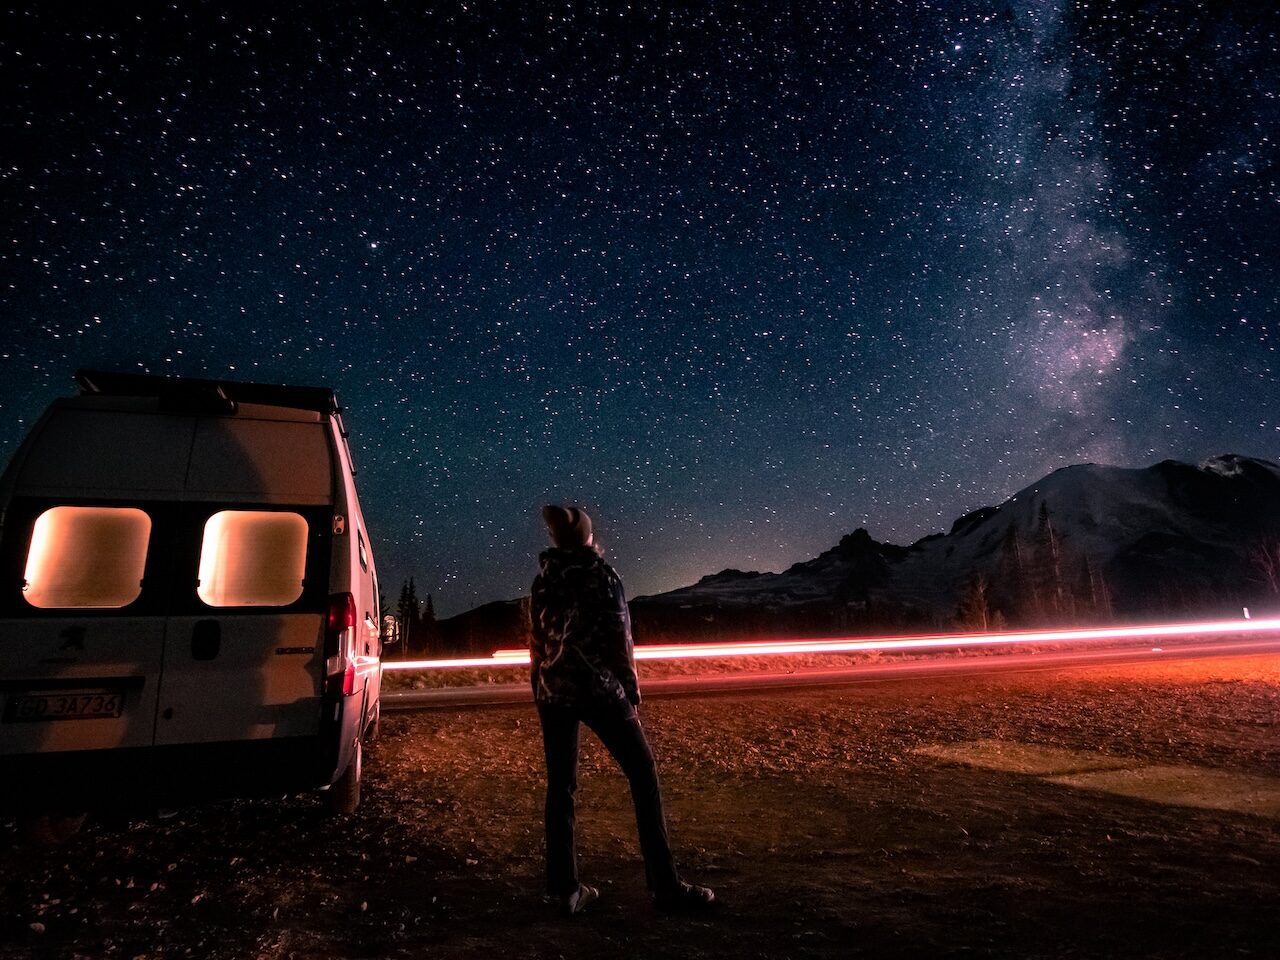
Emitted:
<point x="826" y="828"/>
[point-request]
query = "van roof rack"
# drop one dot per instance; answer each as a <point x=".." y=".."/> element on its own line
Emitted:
<point x="230" y="392"/>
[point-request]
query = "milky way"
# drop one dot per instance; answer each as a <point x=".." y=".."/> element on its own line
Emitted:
<point x="738" y="281"/>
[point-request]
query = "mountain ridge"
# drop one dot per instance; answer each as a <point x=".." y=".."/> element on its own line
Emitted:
<point x="1085" y="543"/>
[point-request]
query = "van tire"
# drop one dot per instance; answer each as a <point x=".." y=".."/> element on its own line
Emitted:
<point x="344" y="795"/>
<point x="375" y="725"/>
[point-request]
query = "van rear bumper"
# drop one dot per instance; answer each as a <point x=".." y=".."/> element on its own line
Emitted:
<point x="105" y="779"/>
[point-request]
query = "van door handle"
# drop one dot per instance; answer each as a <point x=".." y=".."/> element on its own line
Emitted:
<point x="206" y="639"/>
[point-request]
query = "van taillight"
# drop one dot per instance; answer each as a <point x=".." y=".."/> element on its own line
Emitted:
<point x="346" y="683"/>
<point x="342" y="612"/>
<point x="339" y="645"/>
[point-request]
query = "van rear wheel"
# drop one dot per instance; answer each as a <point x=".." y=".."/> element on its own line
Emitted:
<point x="344" y="795"/>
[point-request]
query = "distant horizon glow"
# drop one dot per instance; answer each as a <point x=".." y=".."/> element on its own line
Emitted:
<point x="689" y="651"/>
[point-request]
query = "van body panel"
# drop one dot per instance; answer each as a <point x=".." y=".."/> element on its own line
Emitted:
<point x="42" y="660"/>
<point x="369" y="660"/>
<point x="261" y="411"/>
<point x="349" y="568"/>
<point x="240" y="677"/>
<point x="268" y="461"/>
<point x="108" y="454"/>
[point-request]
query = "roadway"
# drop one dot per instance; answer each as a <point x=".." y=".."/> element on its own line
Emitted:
<point x="925" y="667"/>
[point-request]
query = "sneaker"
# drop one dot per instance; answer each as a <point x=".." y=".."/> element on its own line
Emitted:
<point x="686" y="898"/>
<point x="577" y="901"/>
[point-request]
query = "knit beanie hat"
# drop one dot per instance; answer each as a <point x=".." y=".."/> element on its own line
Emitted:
<point x="568" y="526"/>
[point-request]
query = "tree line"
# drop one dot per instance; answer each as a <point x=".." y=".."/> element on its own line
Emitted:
<point x="1035" y="582"/>
<point x="419" y="632"/>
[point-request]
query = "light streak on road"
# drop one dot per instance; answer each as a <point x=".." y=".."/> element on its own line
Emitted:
<point x="503" y="658"/>
<point x="687" y="651"/>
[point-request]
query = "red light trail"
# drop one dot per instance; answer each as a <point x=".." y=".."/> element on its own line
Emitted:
<point x="686" y="651"/>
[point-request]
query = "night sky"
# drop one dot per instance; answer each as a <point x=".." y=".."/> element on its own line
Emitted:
<point x="737" y="278"/>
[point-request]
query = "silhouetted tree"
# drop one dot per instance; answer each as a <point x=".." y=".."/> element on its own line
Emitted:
<point x="1012" y="584"/>
<point x="1051" y="598"/>
<point x="1093" y="596"/>
<point x="974" y="612"/>
<point x="409" y="612"/>
<point x="427" y="624"/>
<point x="1265" y="558"/>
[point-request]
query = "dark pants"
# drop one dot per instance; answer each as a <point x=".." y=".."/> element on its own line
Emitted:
<point x="619" y="730"/>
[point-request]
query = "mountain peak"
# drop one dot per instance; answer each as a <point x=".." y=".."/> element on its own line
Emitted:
<point x="1141" y="529"/>
<point x="1236" y="465"/>
<point x="728" y="575"/>
<point x="852" y="544"/>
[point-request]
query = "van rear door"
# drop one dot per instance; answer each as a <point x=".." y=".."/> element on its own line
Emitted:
<point x="244" y="652"/>
<point x="80" y="657"/>
<point x="79" y="684"/>
<point x="83" y="567"/>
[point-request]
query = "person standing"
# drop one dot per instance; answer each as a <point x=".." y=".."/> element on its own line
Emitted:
<point x="583" y="672"/>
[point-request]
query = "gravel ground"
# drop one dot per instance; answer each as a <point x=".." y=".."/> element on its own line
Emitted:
<point x="824" y="831"/>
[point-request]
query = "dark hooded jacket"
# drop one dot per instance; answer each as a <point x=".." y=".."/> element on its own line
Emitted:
<point x="581" y="651"/>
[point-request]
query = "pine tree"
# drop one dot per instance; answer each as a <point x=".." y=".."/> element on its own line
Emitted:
<point x="1086" y="601"/>
<point x="1013" y="585"/>
<point x="1095" y="591"/>
<point x="1050" y="591"/>
<point x="413" y="599"/>
<point x="402" y="616"/>
<point x="974" y="612"/>
<point x="410" y="614"/>
<point x="1265" y="557"/>
<point x="428" y="624"/>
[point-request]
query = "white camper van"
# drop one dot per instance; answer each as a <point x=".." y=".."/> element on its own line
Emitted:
<point x="188" y="600"/>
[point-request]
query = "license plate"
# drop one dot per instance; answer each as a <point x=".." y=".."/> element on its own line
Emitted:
<point x="63" y="705"/>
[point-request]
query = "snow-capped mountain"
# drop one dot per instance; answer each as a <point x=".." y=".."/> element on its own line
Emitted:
<point x="1086" y="543"/>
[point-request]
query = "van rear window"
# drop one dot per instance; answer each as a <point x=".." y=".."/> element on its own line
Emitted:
<point x="86" y="557"/>
<point x="252" y="558"/>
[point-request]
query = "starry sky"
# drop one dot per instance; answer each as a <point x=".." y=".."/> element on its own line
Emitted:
<point x="738" y="278"/>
